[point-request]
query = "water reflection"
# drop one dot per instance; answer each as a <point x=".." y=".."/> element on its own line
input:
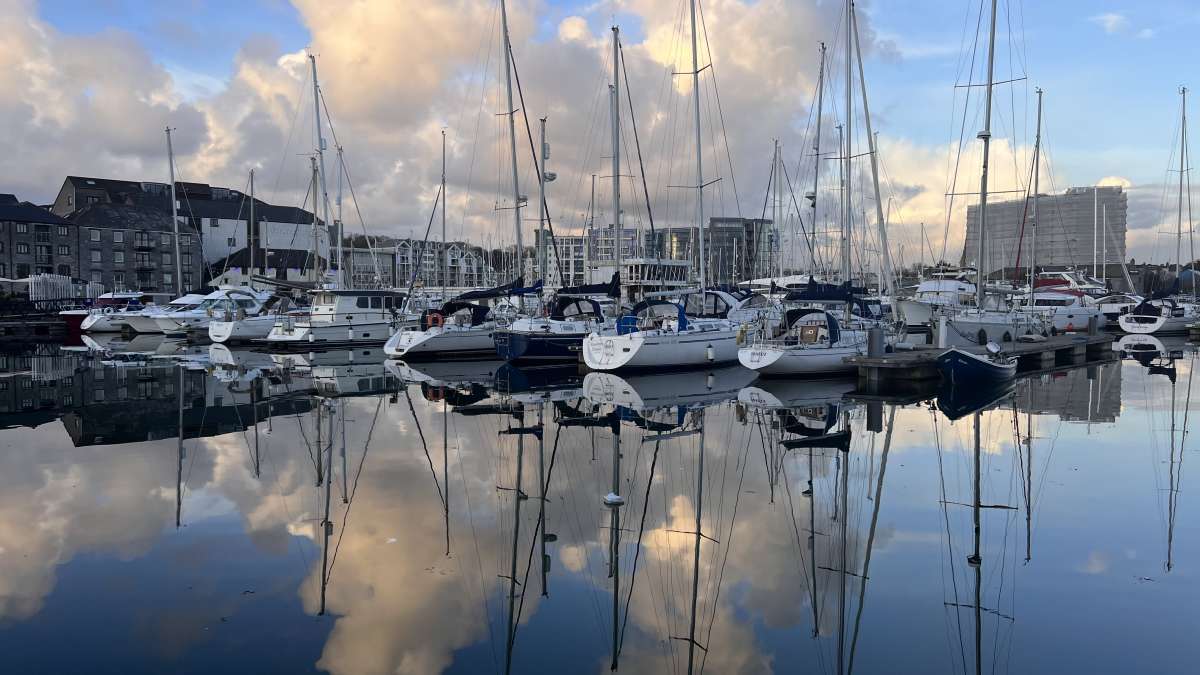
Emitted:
<point x="361" y="516"/>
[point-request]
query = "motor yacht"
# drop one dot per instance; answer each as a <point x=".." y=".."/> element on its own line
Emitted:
<point x="341" y="317"/>
<point x="144" y="321"/>
<point x="238" y="326"/>
<point x="215" y="304"/>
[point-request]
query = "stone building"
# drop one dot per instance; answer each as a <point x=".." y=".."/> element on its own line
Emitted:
<point x="132" y="247"/>
<point x="1077" y="227"/>
<point x="35" y="241"/>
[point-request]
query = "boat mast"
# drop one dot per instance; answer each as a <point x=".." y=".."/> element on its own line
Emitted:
<point x="250" y="236"/>
<point x="445" y="250"/>
<point x="699" y="160"/>
<point x="321" y="165"/>
<point x="615" y="95"/>
<point x="986" y="137"/>
<point x="775" y="217"/>
<point x="1182" y="151"/>
<point x="338" y="221"/>
<point x="316" y="228"/>
<point x="847" y="208"/>
<point x="812" y="251"/>
<point x="512" y="140"/>
<point x="541" y="236"/>
<point x="1037" y="171"/>
<point x="886" y="258"/>
<point x="174" y="215"/>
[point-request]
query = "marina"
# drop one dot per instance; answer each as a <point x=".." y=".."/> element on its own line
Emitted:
<point x="489" y="518"/>
<point x="395" y="337"/>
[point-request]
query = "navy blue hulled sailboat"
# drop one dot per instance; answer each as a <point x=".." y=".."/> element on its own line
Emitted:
<point x="558" y="336"/>
<point x="959" y="366"/>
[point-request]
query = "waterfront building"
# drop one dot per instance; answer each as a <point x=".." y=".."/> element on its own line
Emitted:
<point x="35" y="241"/>
<point x="132" y="247"/>
<point x="466" y="266"/>
<point x="737" y="248"/>
<point x="1071" y="231"/>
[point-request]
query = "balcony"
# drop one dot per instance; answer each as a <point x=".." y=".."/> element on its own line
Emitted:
<point x="145" y="266"/>
<point x="144" y="244"/>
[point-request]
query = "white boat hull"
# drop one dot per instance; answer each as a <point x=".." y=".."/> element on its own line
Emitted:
<point x="104" y="322"/>
<point x="287" y="334"/>
<point x="144" y="323"/>
<point x="963" y="330"/>
<point x="1069" y="319"/>
<point x="658" y="349"/>
<point x="441" y="341"/>
<point x="801" y="360"/>
<point x="1154" y="325"/>
<point x="241" y="330"/>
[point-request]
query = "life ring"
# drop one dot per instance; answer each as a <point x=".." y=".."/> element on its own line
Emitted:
<point x="107" y="310"/>
<point x="435" y="320"/>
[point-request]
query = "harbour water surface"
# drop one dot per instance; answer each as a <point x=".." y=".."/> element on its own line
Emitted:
<point x="238" y="512"/>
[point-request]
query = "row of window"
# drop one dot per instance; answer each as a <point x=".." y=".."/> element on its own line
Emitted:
<point x="142" y="259"/>
<point x="118" y="237"/>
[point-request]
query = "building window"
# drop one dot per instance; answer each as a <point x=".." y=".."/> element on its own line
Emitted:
<point x="168" y="278"/>
<point x="187" y="259"/>
<point x="231" y="241"/>
<point x="168" y="259"/>
<point x="96" y="276"/>
<point x="187" y="281"/>
<point x="185" y="240"/>
<point x="22" y="270"/>
<point x="118" y="257"/>
<point x="166" y="239"/>
<point x="63" y="249"/>
<point x="64" y="270"/>
<point x="62" y="230"/>
<point x="95" y="256"/>
<point x="98" y="395"/>
<point x="22" y="247"/>
<point x="212" y="222"/>
<point x="93" y="199"/>
<point x="94" y="235"/>
<point x="118" y="236"/>
<point x="119" y="278"/>
<point x="22" y="228"/>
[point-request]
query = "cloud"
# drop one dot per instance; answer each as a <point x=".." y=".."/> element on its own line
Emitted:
<point x="1145" y="33"/>
<point x="1111" y="22"/>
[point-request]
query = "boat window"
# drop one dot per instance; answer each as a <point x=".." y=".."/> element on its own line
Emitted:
<point x="694" y="305"/>
<point x="245" y="303"/>
<point x="364" y="302"/>
<point x="387" y="302"/>
<point x="715" y="305"/>
<point x="376" y="302"/>
<point x="757" y="301"/>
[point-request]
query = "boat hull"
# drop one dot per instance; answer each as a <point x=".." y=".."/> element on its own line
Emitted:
<point x="1141" y="324"/>
<point x="441" y="342"/>
<point x="520" y="346"/>
<point x="660" y="350"/>
<point x="965" y="330"/>
<point x="242" y="330"/>
<point x="143" y="323"/>
<point x="103" y="322"/>
<point x="800" y="361"/>
<point x="959" y="367"/>
<point x="305" y="335"/>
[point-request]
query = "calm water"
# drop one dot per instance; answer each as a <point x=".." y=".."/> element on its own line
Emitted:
<point x="329" y="513"/>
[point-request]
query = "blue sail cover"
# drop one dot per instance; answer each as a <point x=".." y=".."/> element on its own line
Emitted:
<point x="511" y="288"/>
<point x="612" y="288"/>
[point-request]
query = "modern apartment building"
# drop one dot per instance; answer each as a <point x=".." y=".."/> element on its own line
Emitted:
<point x="1079" y="227"/>
<point x="35" y="241"/>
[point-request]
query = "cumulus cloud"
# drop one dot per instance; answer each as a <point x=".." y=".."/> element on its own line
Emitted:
<point x="1111" y="22"/>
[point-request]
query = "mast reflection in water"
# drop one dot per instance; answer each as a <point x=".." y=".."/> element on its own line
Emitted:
<point x="178" y="510"/>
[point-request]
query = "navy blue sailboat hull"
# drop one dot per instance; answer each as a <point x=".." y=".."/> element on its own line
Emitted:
<point x="517" y="346"/>
<point x="958" y="366"/>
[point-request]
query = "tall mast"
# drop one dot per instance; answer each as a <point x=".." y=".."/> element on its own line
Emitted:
<point x="699" y="161"/>
<point x="541" y="238"/>
<point x="986" y="137"/>
<point x="812" y="251"/>
<point x="341" y="171"/>
<point x="1182" y="151"/>
<point x="512" y="138"/>
<point x="174" y="215"/>
<point x="250" y="236"/>
<point x="316" y="228"/>
<point x="886" y="257"/>
<point x="445" y="250"/>
<point x="775" y="216"/>
<point x="1037" y="171"/>
<point x="321" y="162"/>
<point x="849" y="144"/>
<point x="615" y="92"/>
<point x="1095" y="224"/>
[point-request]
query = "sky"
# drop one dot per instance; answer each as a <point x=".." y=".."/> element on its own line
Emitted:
<point x="92" y="84"/>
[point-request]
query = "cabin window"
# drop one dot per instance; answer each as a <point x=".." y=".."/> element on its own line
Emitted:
<point x="387" y="302"/>
<point x="714" y="305"/>
<point x="377" y="302"/>
<point x="363" y="302"/>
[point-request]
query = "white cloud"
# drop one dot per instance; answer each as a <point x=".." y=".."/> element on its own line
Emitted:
<point x="1111" y="22"/>
<point x="1145" y="33"/>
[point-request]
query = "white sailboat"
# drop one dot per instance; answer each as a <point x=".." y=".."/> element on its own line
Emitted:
<point x="979" y="325"/>
<point x="1174" y="313"/>
<point x="658" y="334"/>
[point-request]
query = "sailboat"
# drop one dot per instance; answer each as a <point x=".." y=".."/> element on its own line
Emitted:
<point x="1168" y="313"/>
<point x="828" y="323"/>
<point x="459" y="328"/>
<point x="657" y="334"/>
<point x="979" y="325"/>
<point x="959" y="365"/>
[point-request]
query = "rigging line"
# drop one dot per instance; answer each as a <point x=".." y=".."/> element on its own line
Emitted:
<point x="728" y="545"/>
<point x="962" y="133"/>
<point x="354" y="489"/>
<point x="533" y="151"/>
<point x="371" y="242"/>
<point x="420" y="253"/>
<point x="637" y="554"/>
<point x="638" y="145"/>
<point x="799" y="216"/>
<point x="287" y="144"/>
<point x="720" y="111"/>
<point x="424" y="446"/>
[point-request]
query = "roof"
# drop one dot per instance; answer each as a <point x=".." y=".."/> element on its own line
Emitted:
<point x="124" y="216"/>
<point x="24" y="212"/>
<point x="197" y="200"/>
<point x="286" y="258"/>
